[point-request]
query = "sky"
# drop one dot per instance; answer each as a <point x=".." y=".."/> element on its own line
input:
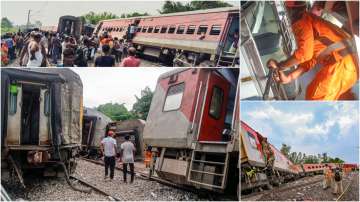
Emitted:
<point x="48" y="12"/>
<point x="104" y="85"/>
<point x="310" y="127"/>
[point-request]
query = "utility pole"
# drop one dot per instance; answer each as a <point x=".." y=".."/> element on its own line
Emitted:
<point x="28" y="20"/>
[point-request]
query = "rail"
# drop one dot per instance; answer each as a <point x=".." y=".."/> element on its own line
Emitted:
<point x="345" y="190"/>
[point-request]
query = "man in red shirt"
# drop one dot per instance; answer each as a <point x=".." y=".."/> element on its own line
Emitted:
<point x="131" y="60"/>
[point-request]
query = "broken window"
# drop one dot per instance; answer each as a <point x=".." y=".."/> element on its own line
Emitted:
<point x="174" y="97"/>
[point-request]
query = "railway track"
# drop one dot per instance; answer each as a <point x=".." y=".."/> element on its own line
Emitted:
<point x="109" y="196"/>
<point x="143" y="176"/>
<point x="346" y="188"/>
<point x="266" y="193"/>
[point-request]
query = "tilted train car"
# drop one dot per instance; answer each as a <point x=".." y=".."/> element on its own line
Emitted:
<point x="252" y="162"/>
<point x="41" y="118"/>
<point x="75" y="26"/>
<point x="132" y="128"/>
<point x="94" y="129"/>
<point x="191" y="128"/>
<point x="188" y="38"/>
<point x="266" y="33"/>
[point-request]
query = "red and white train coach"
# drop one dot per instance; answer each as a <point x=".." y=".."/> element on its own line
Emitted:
<point x="192" y="128"/>
<point x="253" y="172"/>
<point x="191" y="38"/>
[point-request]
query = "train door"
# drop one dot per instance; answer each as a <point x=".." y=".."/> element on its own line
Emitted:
<point x="35" y="111"/>
<point x="231" y="32"/>
<point x="213" y="117"/>
<point x="265" y="34"/>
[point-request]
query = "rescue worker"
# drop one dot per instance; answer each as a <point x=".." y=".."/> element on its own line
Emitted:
<point x="327" y="181"/>
<point x="148" y="156"/>
<point x="320" y="45"/>
<point x="338" y="187"/>
<point x="268" y="154"/>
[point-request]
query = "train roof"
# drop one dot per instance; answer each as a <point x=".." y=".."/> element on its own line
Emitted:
<point x="213" y="10"/>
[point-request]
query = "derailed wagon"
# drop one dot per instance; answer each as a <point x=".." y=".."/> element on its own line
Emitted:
<point x="192" y="128"/>
<point x="193" y="38"/>
<point x="253" y="168"/>
<point x="41" y="115"/>
<point x="94" y="128"/>
<point x="132" y="128"/>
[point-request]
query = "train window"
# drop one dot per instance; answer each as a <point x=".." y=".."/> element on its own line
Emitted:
<point x="46" y="103"/>
<point x="150" y="29"/>
<point x="13" y="99"/>
<point x="180" y="29"/>
<point x="251" y="140"/>
<point x="191" y="29"/>
<point x="202" y="29"/>
<point x="215" y="30"/>
<point x="138" y="29"/>
<point x="174" y="97"/>
<point x="144" y="29"/>
<point x="156" y="30"/>
<point x="163" y="29"/>
<point x="216" y="102"/>
<point x="172" y="29"/>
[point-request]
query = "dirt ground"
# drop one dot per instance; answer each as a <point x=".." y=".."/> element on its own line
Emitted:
<point x="310" y="192"/>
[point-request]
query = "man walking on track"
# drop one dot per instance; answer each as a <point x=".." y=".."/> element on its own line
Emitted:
<point x="127" y="155"/>
<point x="108" y="147"/>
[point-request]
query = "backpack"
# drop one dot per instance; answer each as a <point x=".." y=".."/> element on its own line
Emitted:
<point x="337" y="176"/>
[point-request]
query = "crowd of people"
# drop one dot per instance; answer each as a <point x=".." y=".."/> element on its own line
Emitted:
<point x="42" y="49"/>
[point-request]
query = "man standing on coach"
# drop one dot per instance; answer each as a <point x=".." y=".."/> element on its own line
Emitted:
<point x="108" y="147"/>
<point x="127" y="154"/>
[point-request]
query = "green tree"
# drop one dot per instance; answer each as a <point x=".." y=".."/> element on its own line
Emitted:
<point x="285" y="149"/>
<point x="173" y="6"/>
<point x="135" y="14"/>
<point x="141" y="107"/>
<point x="117" y="112"/>
<point x="5" y="22"/>
<point x="94" y="18"/>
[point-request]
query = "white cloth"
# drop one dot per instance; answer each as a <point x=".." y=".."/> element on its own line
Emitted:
<point x="127" y="152"/>
<point x="109" y="146"/>
<point x="38" y="58"/>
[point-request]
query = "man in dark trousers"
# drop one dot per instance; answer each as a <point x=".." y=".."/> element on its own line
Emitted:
<point x="108" y="147"/>
<point x="127" y="155"/>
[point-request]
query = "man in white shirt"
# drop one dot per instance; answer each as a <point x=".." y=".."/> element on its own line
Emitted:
<point x="127" y="155"/>
<point x="108" y="147"/>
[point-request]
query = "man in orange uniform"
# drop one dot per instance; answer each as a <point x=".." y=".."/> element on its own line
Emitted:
<point x="322" y="45"/>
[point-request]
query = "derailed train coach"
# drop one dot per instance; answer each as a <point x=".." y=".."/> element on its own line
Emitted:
<point x="94" y="128"/>
<point x="253" y="172"/>
<point x="193" y="38"/>
<point x="133" y="128"/>
<point x="192" y="128"/>
<point x="41" y="115"/>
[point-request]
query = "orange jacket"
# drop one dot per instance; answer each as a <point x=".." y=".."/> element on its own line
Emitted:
<point x="338" y="74"/>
